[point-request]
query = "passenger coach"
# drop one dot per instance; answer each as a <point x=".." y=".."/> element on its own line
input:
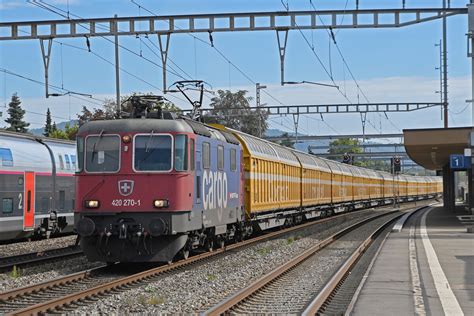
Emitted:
<point x="36" y="185"/>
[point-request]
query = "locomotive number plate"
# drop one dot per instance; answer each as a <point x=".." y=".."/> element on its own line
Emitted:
<point x="126" y="202"/>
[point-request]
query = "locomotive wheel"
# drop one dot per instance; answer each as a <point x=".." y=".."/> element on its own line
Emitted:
<point x="221" y="242"/>
<point x="209" y="245"/>
<point x="184" y="253"/>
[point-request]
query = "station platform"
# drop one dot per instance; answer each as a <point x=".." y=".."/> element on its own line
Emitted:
<point x="427" y="269"/>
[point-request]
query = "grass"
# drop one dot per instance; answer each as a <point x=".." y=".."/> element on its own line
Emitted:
<point x="265" y="250"/>
<point x="211" y="277"/>
<point x="290" y="240"/>
<point x="149" y="289"/>
<point x="16" y="272"/>
<point x="151" y="300"/>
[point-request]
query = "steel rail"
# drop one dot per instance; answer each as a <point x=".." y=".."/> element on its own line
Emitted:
<point x="38" y="257"/>
<point x="248" y="291"/>
<point x="326" y="293"/>
<point x="132" y="279"/>
<point x="106" y="287"/>
<point x="8" y="295"/>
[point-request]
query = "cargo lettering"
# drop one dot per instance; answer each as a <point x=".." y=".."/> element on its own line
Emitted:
<point x="214" y="189"/>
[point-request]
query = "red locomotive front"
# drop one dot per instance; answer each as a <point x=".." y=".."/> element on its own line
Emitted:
<point x="135" y="183"/>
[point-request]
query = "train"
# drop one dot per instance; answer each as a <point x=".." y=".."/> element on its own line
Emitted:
<point x="155" y="186"/>
<point x="37" y="186"/>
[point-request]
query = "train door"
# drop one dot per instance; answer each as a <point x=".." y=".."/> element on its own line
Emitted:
<point x="29" y="201"/>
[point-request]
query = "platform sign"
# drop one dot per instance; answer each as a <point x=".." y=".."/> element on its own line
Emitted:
<point x="459" y="162"/>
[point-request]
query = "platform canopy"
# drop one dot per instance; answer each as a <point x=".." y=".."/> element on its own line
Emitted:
<point x="432" y="147"/>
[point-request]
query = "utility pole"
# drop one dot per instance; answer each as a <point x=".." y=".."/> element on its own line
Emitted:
<point x="440" y="68"/>
<point x="445" y="67"/>
<point x="257" y="99"/>
<point x="470" y="53"/>
<point x="117" y="69"/>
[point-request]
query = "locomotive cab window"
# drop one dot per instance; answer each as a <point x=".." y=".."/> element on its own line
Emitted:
<point x="206" y="155"/>
<point x="181" y="153"/>
<point x="153" y="153"/>
<point x="80" y="154"/>
<point x="103" y="153"/>
<point x="220" y="157"/>
<point x="6" y="158"/>
<point x="233" y="159"/>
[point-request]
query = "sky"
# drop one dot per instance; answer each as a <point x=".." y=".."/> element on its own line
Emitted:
<point x="389" y="65"/>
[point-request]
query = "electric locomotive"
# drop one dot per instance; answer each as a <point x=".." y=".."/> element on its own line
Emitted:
<point x="155" y="186"/>
<point x="36" y="185"/>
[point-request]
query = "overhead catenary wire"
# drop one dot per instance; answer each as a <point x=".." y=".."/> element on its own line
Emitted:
<point x="44" y="5"/>
<point x="245" y="75"/>
<point x="54" y="87"/>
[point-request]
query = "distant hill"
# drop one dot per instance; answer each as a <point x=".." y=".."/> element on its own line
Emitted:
<point x="62" y="126"/>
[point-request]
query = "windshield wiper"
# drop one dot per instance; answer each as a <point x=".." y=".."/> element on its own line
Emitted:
<point x="95" y="145"/>
<point x="147" y="146"/>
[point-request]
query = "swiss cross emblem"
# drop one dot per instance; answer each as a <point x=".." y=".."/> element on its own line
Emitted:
<point x="125" y="187"/>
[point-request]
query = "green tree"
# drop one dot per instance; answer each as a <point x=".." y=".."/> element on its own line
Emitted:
<point x="68" y="133"/>
<point x="344" y="145"/>
<point x="287" y="141"/>
<point x="16" y="116"/>
<point x="233" y="111"/>
<point x="48" y="128"/>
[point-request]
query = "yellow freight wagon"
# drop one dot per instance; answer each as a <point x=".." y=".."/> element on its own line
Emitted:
<point x="376" y="184"/>
<point x="388" y="185"/>
<point x="315" y="180"/>
<point x="360" y="183"/>
<point x="272" y="176"/>
<point x="340" y="178"/>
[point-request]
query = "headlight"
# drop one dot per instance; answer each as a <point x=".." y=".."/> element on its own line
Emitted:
<point x="160" y="203"/>
<point x="92" y="204"/>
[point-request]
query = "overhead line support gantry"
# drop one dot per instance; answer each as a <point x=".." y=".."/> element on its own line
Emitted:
<point x="164" y="26"/>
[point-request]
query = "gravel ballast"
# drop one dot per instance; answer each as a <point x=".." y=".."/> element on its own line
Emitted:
<point x="197" y="288"/>
<point x="19" y="248"/>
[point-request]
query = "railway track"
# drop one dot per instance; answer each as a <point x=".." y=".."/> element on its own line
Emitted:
<point x="33" y="258"/>
<point x="65" y="292"/>
<point x="304" y="284"/>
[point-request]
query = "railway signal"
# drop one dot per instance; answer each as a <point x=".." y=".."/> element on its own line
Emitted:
<point x="396" y="164"/>
<point x="346" y="158"/>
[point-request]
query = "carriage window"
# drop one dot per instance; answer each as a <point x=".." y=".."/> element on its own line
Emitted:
<point x="73" y="161"/>
<point x="6" y="157"/>
<point x="61" y="162"/>
<point x="191" y="152"/>
<point x="206" y="155"/>
<point x="153" y="153"/>
<point x="220" y="157"/>
<point x="102" y="153"/>
<point x="180" y="153"/>
<point x="80" y="154"/>
<point x="68" y="162"/>
<point x="7" y="206"/>
<point x="233" y="159"/>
